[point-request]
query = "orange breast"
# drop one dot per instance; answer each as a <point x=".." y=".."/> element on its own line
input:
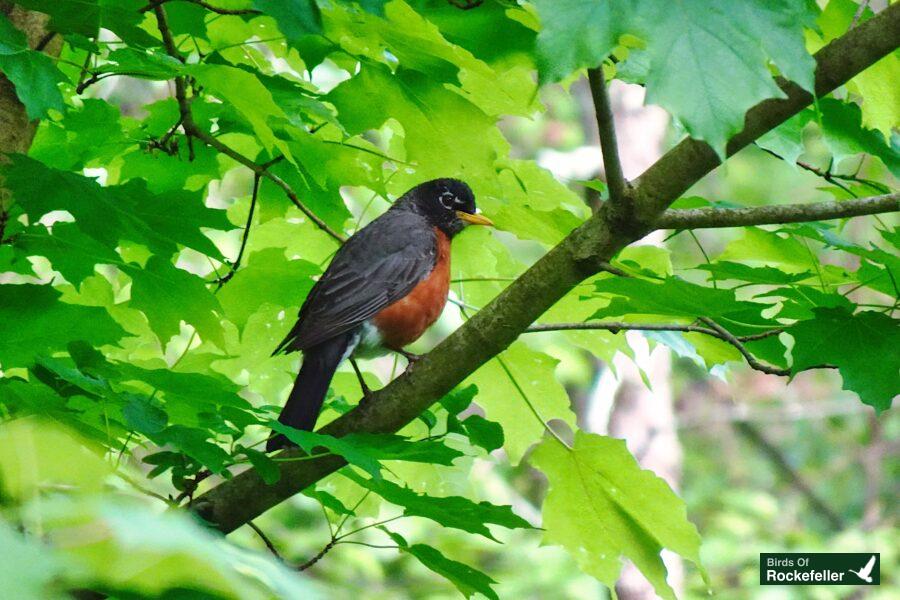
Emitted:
<point x="402" y="322"/>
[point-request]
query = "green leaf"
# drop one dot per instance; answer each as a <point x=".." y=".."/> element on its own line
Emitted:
<point x="70" y="252"/>
<point x="327" y="500"/>
<point x="90" y="132"/>
<point x="69" y="16"/>
<point x="676" y="297"/>
<point x="195" y="443"/>
<point x="296" y="18"/>
<point x="466" y="579"/>
<point x="161" y="222"/>
<point x="395" y="447"/>
<point x="459" y="398"/>
<point x="167" y="295"/>
<point x="727" y="270"/>
<point x="456" y="512"/>
<point x="265" y="466"/>
<point x="287" y="282"/>
<point x="367" y="450"/>
<point x="601" y="507"/>
<point x="880" y="98"/>
<point x="499" y="395"/>
<point x="576" y="34"/>
<point x="483" y="433"/>
<point x="34" y="321"/>
<point x="863" y="346"/>
<point x="246" y="94"/>
<point x="12" y="40"/>
<point x="443" y="132"/>
<point x="707" y="64"/>
<point x="33" y="74"/>
<point x="143" y="416"/>
<point x="144" y="64"/>
<point x="198" y="389"/>
<point x="845" y="136"/>
<point x="786" y="140"/>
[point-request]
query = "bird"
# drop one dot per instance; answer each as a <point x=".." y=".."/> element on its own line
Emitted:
<point x="384" y="287"/>
<point x="866" y="572"/>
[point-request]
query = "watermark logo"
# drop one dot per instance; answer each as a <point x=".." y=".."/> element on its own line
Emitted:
<point x="820" y="568"/>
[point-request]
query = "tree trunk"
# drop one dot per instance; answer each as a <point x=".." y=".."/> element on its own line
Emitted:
<point x="16" y="131"/>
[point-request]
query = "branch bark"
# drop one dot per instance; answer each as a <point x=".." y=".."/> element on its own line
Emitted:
<point x="704" y="218"/>
<point x="16" y="130"/>
<point x="580" y="255"/>
<point x="612" y="165"/>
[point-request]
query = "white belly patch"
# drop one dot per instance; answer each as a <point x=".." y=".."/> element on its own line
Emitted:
<point x="366" y="344"/>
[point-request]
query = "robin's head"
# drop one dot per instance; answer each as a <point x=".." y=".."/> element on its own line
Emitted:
<point x="447" y="203"/>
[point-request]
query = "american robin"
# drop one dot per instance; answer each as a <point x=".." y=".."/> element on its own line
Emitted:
<point x="385" y="286"/>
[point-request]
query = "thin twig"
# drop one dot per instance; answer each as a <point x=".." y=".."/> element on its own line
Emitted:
<point x="191" y="129"/>
<point x="778" y="214"/>
<point x="237" y="261"/>
<point x="265" y="540"/>
<point x="369" y="526"/>
<point x="318" y="556"/>
<point x="612" y="166"/>
<point x="368" y="545"/>
<point x="44" y="41"/>
<point x="859" y="13"/>
<point x="207" y="6"/>
<point x="751" y="360"/>
<point x="617" y="326"/>
<point x="286" y="188"/>
<point x="833" y="178"/>
<point x="191" y="487"/>
<point x="714" y="330"/>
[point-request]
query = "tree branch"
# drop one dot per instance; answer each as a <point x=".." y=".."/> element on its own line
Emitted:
<point x="580" y="255"/>
<point x="237" y="261"/>
<point x="612" y="166"/>
<point x="834" y="178"/>
<point x="703" y="218"/>
<point x="207" y="6"/>
<point x="191" y="129"/>
<point x="714" y="330"/>
<point x="752" y="360"/>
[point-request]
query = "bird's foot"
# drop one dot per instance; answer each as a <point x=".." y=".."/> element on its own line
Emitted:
<point x="366" y="390"/>
<point x="410" y="357"/>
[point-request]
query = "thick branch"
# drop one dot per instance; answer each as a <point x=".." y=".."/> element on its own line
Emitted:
<point x="703" y="218"/>
<point x="612" y="166"/>
<point x="836" y="64"/>
<point x="580" y="255"/>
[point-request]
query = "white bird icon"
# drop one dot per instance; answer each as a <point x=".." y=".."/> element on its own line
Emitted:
<point x="866" y="572"/>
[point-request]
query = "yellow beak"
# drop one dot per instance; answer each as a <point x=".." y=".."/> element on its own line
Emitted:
<point x="471" y="219"/>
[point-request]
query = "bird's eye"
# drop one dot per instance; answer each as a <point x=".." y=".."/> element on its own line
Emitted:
<point x="447" y="200"/>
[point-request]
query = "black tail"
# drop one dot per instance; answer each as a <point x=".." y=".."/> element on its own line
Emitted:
<point x="305" y="400"/>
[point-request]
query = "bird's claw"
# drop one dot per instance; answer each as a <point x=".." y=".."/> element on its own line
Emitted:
<point x="410" y="357"/>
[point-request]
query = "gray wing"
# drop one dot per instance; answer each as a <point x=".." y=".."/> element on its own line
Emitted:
<point x="378" y="265"/>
